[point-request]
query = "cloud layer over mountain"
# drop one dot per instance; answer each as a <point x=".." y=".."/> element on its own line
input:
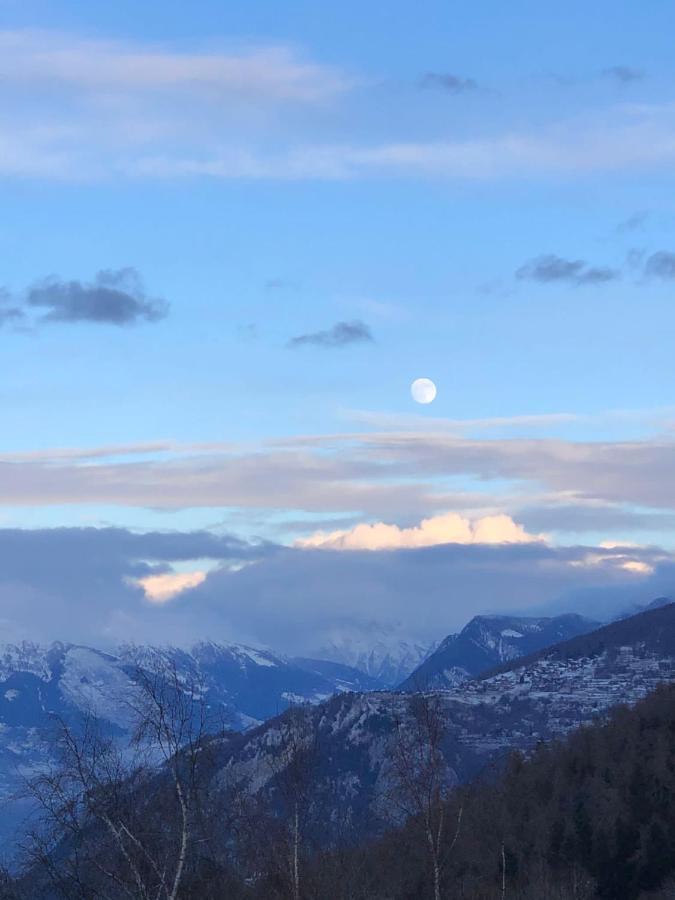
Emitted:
<point x="84" y="585"/>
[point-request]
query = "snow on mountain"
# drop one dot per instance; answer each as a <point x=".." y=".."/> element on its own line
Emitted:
<point x="487" y="641"/>
<point x="525" y="701"/>
<point x="96" y="682"/>
<point x="39" y="685"/>
<point x="345" y="678"/>
<point x="382" y="654"/>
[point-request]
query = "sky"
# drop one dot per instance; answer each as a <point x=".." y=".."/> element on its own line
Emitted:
<point x="232" y="235"/>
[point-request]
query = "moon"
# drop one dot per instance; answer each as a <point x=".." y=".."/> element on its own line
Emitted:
<point x="423" y="390"/>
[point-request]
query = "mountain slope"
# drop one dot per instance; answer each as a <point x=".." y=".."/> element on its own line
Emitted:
<point x="649" y="635"/>
<point x="39" y="685"/>
<point x="344" y="678"/>
<point x="587" y="817"/>
<point x="524" y="702"/>
<point x="487" y="641"/>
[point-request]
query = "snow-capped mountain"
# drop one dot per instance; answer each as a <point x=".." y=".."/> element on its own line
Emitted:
<point x="245" y="684"/>
<point x="384" y="655"/>
<point x="39" y="685"/>
<point x="487" y="641"/>
<point x="528" y="700"/>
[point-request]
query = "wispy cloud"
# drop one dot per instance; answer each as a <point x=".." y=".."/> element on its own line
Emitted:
<point x="383" y="476"/>
<point x="272" y="73"/>
<point x="86" y="109"/>
<point x="340" y="335"/>
<point x="410" y="422"/>
<point x="633" y="222"/>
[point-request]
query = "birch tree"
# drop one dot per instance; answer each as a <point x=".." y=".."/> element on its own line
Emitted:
<point x="107" y="828"/>
<point x="293" y="767"/>
<point x="422" y="779"/>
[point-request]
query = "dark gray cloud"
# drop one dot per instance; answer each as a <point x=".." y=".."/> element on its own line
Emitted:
<point x="297" y="599"/>
<point x="549" y="269"/>
<point x="624" y="74"/>
<point x="115" y="296"/>
<point x="446" y="81"/>
<point x="340" y="335"/>
<point x="78" y="584"/>
<point x="660" y="265"/>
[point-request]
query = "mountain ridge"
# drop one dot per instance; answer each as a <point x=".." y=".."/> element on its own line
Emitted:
<point x="486" y="641"/>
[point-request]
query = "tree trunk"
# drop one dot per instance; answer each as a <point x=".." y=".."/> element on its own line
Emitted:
<point x="296" y="855"/>
<point x="503" y="871"/>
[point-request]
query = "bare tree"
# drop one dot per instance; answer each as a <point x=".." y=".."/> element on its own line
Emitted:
<point x="421" y="778"/>
<point x="107" y="829"/>
<point x="86" y="805"/>
<point x="173" y="721"/>
<point x="292" y="763"/>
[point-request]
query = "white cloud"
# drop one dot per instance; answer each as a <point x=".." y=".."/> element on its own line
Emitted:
<point x="160" y="588"/>
<point x="568" y="149"/>
<point x="448" y="528"/>
<point x="88" y="108"/>
<point x="271" y="73"/>
<point x="381" y="476"/>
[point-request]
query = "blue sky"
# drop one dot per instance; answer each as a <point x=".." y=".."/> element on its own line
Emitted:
<point x="482" y="193"/>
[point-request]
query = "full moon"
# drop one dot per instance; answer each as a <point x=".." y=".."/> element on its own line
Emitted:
<point x="423" y="390"/>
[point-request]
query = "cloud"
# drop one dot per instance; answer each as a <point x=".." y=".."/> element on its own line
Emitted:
<point x="645" y="144"/>
<point x="453" y="84"/>
<point x="624" y="74"/>
<point x="660" y="265"/>
<point x="340" y="335"/>
<point x="595" y="516"/>
<point x="11" y="315"/>
<point x="160" y="588"/>
<point x="633" y="222"/>
<point x="86" y="109"/>
<point x="448" y="528"/>
<point x="549" y="268"/>
<point x="272" y="73"/>
<point x="81" y="584"/>
<point x="114" y="297"/>
<point x="389" y="476"/>
<point x="296" y="599"/>
<point x="411" y="422"/>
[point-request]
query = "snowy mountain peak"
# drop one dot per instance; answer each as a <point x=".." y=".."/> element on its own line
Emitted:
<point x="385" y="656"/>
<point x="487" y="641"/>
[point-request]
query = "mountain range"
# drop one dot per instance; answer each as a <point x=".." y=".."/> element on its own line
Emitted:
<point x="501" y="683"/>
<point x="523" y="702"/>
<point x="40" y="686"/>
